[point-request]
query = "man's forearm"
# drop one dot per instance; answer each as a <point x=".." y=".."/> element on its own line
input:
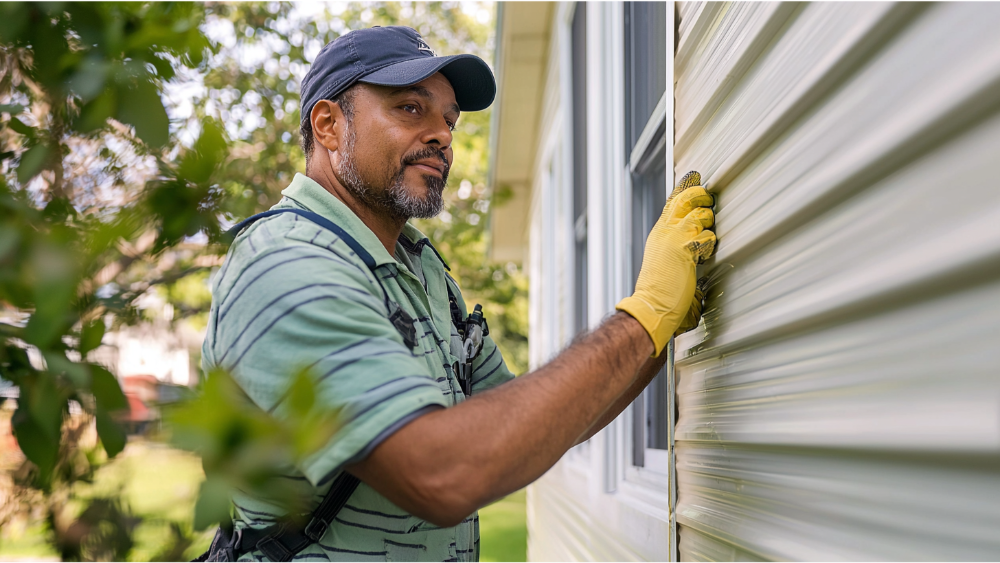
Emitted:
<point x="461" y="458"/>
<point x="647" y="372"/>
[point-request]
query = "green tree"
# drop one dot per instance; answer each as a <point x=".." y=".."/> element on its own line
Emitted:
<point x="93" y="189"/>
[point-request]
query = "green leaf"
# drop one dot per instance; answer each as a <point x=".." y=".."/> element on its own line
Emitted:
<point x="12" y="109"/>
<point x="96" y="112"/>
<point x="13" y="17"/>
<point x="198" y="164"/>
<point x="141" y="107"/>
<point x="213" y="502"/>
<point x="39" y="446"/>
<point x="53" y="287"/>
<point x="164" y="70"/>
<point x="10" y="238"/>
<point x="89" y="79"/>
<point x="107" y="392"/>
<point x="45" y="402"/>
<point x="20" y="127"/>
<point x="49" y="50"/>
<point x="32" y="162"/>
<point x="79" y="374"/>
<point x="87" y="21"/>
<point x="112" y="435"/>
<point x="91" y="335"/>
<point x="15" y="361"/>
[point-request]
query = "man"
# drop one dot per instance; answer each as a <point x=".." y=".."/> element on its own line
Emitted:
<point x="378" y="110"/>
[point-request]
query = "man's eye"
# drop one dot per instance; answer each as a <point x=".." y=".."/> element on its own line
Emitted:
<point x="410" y="108"/>
<point x="451" y="126"/>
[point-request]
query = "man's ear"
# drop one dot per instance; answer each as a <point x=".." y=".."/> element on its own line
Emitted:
<point x="329" y="124"/>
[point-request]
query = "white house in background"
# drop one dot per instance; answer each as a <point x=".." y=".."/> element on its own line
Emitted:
<point x="154" y="348"/>
<point x="841" y="399"/>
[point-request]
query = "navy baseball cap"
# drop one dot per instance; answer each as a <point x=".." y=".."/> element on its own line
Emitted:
<point x="393" y="56"/>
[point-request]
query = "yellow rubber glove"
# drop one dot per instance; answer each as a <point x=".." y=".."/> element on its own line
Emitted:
<point x="693" y="316"/>
<point x="665" y="289"/>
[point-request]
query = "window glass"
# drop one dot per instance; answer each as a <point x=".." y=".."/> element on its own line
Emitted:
<point x="649" y="411"/>
<point x="645" y="83"/>
<point x="579" y="69"/>
<point x="645" y="65"/>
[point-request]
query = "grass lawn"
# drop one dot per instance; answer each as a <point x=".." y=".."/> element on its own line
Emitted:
<point x="503" y="534"/>
<point x="160" y="485"/>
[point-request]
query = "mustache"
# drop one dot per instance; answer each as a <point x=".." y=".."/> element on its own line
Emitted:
<point x="429" y="152"/>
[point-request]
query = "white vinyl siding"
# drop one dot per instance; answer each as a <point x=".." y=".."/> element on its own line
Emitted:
<point x="841" y="400"/>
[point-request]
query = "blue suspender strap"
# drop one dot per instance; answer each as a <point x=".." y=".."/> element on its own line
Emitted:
<point x="315" y="218"/>
<point x="397" y="316"/>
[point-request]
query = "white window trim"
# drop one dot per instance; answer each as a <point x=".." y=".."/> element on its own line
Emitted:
<point x="579" y="457"/>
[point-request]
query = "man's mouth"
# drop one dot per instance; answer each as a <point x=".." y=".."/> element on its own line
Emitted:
<point x="428" y="168"/>
<point x="430" y="165"/>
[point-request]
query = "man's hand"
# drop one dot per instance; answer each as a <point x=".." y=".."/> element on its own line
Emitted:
<point x="693" y="316"/>
<point x="665" y="290"/>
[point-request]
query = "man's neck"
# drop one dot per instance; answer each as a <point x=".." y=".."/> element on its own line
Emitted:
<point x="387" y="229"/>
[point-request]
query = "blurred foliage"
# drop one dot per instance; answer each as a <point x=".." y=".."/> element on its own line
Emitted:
<point x="82" y="118"/>
<point x="94" y="192"/>
<point x="243" y="447"/>
<point x="91" y="527"/>
<point x="131" y="136"/>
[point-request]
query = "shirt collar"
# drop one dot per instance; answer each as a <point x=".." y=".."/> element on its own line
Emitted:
<point x="314" y="197"/>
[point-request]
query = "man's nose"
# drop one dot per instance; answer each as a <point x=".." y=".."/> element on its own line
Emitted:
<point x="438" y="133"/>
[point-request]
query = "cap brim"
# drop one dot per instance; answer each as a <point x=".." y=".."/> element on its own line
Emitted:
<point x="470" y="77"/>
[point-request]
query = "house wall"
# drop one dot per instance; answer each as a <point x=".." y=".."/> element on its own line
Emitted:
<point x="841" y="399"/>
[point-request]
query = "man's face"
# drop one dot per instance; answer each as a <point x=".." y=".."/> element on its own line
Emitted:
<point x="397" y="152"/>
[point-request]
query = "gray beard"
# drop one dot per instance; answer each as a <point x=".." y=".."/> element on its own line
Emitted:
<point x="392" y="199"/>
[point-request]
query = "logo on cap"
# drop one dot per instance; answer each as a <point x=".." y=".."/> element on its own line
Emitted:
<point x="423" y="46"/>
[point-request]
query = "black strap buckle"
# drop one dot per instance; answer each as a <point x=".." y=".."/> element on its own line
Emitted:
<point x="274" y="550"/>
<point x="315" y="529"/>
<point x="404" y="324"/>
<point x="237" y="539"/>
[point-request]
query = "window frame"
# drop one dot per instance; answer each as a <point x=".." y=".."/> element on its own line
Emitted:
<point x="651" y="489"/>
<point x="573" y="89"/>
<point x="644" y="155"/>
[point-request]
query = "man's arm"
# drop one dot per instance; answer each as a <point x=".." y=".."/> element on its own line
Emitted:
<point x="652" y="367"/>
<point x="647" y="372"/>
<point x="446" y="464"/>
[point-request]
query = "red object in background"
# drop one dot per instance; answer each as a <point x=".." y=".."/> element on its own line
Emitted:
<point x="138" y="411"/>
<point x="143" y="386"/>
<point x="141" y="391"/>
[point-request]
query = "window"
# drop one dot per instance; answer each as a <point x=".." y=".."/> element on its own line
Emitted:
<point x="645" y="53"/>
<point x="645" y="65"/>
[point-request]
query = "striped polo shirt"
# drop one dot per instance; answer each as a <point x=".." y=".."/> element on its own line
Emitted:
<point x="291" y="295"/>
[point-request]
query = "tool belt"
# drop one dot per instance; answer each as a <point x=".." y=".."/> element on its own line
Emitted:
<point x="283" y="540"/>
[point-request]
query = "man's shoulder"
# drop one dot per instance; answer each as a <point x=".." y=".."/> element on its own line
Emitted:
<point x="298" y="249"/>
<point x="291" y="232"/>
